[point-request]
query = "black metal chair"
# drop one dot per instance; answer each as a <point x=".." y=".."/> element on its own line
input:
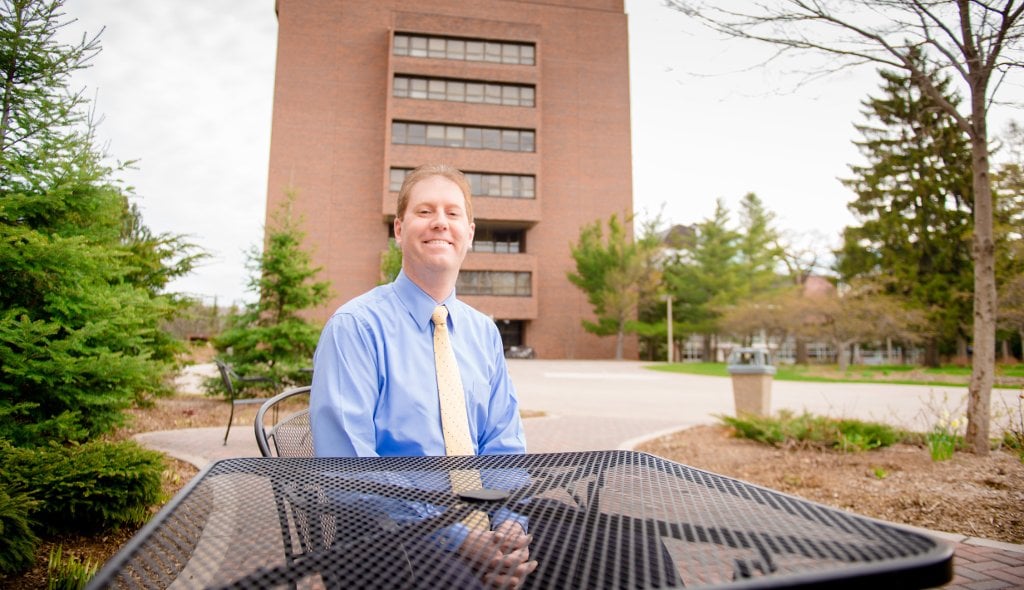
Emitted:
<point x="290" y="436"/>
<point x="228" y="377"/>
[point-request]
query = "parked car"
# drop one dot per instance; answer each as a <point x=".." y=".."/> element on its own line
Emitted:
<point x="519" y="352"/>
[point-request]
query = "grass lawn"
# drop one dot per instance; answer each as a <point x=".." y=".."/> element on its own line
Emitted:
<point x="1007" y="376"/>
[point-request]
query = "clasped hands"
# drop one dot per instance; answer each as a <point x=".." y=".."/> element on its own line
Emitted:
<point x="501" y="556"/>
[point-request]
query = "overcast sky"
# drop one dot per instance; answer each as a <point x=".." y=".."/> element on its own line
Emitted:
<point x="186" y="88"/>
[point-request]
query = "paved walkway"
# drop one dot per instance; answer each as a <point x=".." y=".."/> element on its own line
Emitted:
<point x="597" y="405"/>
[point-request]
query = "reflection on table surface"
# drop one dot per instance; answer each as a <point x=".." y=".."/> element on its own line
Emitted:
<point x="615" y="519"/>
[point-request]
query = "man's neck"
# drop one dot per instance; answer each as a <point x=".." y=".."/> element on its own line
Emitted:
<point x="438" y="286"/>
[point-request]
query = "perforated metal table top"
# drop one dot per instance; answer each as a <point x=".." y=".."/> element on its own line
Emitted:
<point x="610" y="519"/>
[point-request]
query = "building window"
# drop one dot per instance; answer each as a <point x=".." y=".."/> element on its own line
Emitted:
<point x="500" y="52"/>
<point x="452" y="90"/>
<point x="457" y="136"/>
<point x="511" y="332"/>
<point x="499" y="241"/>
<point x="396" y="178"/>
<point x="483" y="184"/>
<point x="513" y="186"/>
<point x="494" y="282"/>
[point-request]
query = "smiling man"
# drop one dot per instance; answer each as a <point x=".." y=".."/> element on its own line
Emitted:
<point x="375" y="385"/>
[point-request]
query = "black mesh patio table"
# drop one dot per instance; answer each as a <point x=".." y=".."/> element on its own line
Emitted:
<point x="608" y="519"/>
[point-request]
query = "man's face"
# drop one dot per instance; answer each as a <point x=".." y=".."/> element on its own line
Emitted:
<point x="435" y="232"/>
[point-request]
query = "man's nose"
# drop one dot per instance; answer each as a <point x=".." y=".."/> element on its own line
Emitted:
<point x="439" y="220"/>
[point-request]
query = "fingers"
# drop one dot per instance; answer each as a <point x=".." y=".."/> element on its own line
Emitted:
<point x="512" y="536"/>
<point x="502" y="556"/>
<point x="512" y="579"/>
<point x="504" y="561"/>
<point x="510" y="543"/>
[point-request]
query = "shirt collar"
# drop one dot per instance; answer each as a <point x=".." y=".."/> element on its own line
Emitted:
<point x="420" y="305"/>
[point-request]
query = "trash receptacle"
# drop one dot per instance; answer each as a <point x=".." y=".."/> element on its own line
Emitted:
<point x="751" y="372"/>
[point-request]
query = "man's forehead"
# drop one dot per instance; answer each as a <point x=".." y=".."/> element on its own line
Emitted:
<point x="436" y="189"/>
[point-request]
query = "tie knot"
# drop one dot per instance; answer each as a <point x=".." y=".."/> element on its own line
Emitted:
<point x="440" y="316"/>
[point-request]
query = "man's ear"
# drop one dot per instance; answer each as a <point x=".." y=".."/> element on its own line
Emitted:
<point x="398" y="231"/>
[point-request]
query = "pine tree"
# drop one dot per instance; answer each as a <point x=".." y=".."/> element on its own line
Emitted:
<point x="759" y="253"/>
<point x="270" y="337"/>
<point x="704" y="277"/>
<point x="914" y="203"/>
<point x="1009" y="237"/>
<point x="80" y="302"/>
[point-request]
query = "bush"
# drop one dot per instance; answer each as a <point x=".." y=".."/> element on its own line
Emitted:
<point x="787" y="429"/>
<point x="84" y="488"/>
<point x="17" y="541"/>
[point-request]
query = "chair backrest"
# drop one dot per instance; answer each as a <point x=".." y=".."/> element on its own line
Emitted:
<point x="289" y="437"/>
<point x="225" y="376"/>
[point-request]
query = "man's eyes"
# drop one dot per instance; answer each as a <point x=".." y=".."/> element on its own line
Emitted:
<point x="455" y="213"/>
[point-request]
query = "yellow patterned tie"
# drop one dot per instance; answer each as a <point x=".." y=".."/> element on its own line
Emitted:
<point x="454" y="420"/>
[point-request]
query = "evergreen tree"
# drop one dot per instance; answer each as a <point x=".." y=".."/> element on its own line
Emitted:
<point x="270" y="337"/>
<point x="80" y="302"/>
<point x="617" y="274"/>
<point x="651" y="325"/>
<point x="759" y="252"/>
<point x="704" y="278"/>
<point x="1008" y="231"/>
<point x="914" y="202"/>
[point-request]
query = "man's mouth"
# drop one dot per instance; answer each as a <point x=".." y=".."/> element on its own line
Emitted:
<point x="438" y="242"/>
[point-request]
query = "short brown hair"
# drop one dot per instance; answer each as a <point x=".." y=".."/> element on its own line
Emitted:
<point x="426" y="171"/>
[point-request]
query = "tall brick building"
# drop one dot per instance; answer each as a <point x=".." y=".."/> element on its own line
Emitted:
<point x="529" y="97"/>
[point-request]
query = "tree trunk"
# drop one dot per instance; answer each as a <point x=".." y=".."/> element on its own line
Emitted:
<point x="842" y="355"/>
<point x="620" y="339"/>
<point x="979" y="393"/>
<point x="931" y="354"/>
<point x="801" y="351"/>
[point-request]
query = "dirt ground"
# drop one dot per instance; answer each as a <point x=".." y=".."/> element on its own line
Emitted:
<point x="970" y="495"/>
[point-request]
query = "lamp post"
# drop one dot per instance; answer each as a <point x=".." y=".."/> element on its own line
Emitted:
<point x="668" y="313"/>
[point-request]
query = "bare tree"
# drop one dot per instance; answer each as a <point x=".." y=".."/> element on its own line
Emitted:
<point x="860" y="313"/>
<point x="977" y="41"/>
<point x="776" y="315"/>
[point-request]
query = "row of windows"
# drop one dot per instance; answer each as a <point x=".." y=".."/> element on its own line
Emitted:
<point x="498" y="241"/>
<point x="514" y="95"/>
<point x="510" y="241"/>
<point x="464" y="49"/>
<point x="458" y="136"/>
<point x="512" y="186"/>
<point x="494" y="282"/>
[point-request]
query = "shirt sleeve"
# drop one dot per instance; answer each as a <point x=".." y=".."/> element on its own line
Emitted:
<point x="345" y="390"/>
<point x="503" y="433"/>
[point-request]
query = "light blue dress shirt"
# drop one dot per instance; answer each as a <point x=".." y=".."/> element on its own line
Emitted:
<point x="374" y="385"/>
<point x="375" y="391"/>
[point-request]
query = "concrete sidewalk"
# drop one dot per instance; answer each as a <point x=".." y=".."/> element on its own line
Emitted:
<point x="598" y="405"/>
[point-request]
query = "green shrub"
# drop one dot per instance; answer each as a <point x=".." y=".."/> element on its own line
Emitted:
<point x="17" y="541"/>
<point x="787" y="429"/>
<point x="93" y="486"/>
<point x="858" y="435"/>
<point x="68" y="573"/>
